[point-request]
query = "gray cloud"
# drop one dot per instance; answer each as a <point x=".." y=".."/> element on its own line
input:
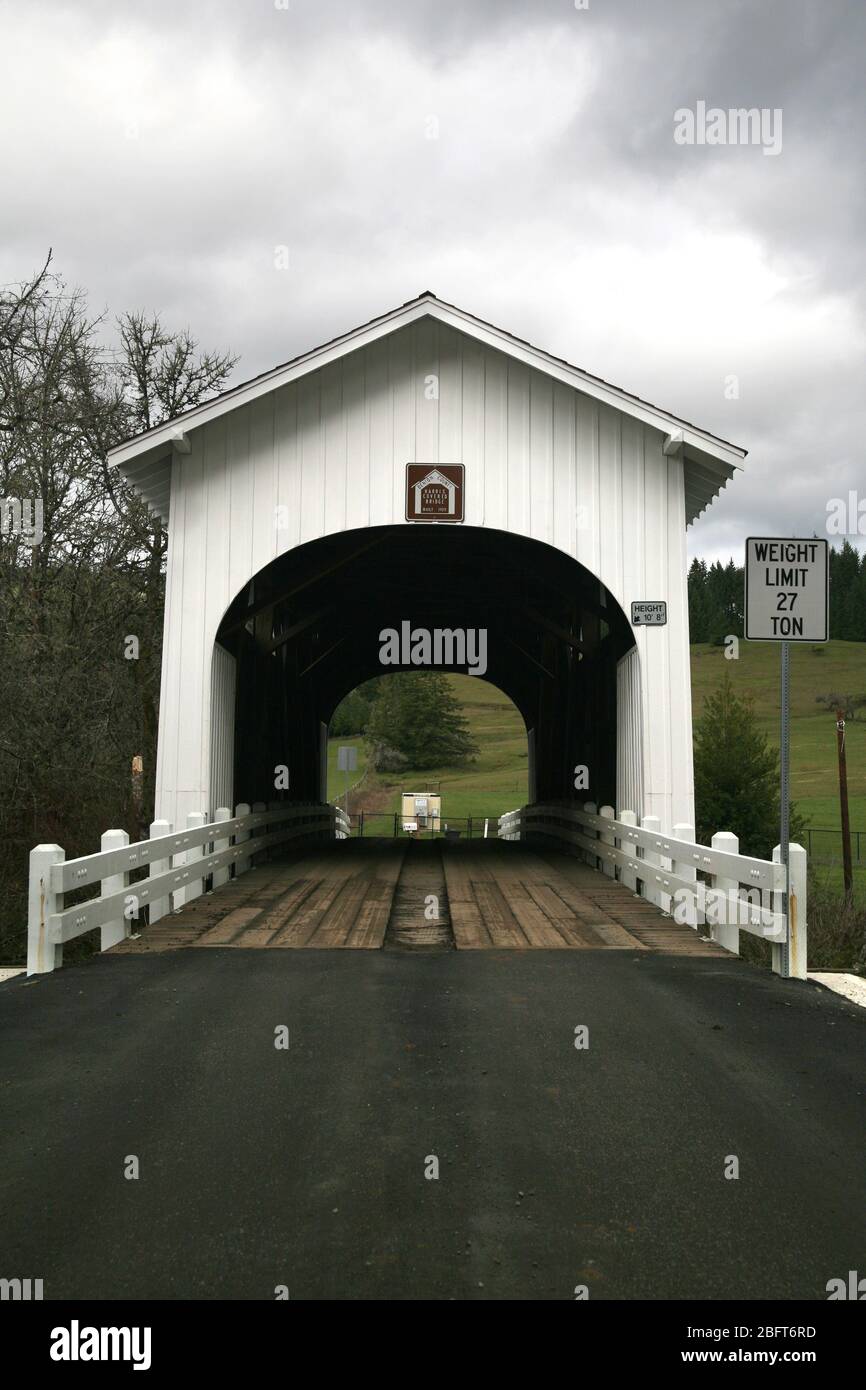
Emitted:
<point x="165" y="151"/>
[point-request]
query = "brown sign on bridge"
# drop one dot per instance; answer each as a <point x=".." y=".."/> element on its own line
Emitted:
<point x="434" y="491"/>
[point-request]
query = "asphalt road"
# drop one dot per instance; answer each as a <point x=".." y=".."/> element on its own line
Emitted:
<point x="305" y="1167"/>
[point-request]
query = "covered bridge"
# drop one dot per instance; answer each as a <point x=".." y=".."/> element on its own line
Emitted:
<point x="552" y="501"/>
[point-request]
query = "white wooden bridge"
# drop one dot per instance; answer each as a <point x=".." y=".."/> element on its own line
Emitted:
<point x="300" y="529"/>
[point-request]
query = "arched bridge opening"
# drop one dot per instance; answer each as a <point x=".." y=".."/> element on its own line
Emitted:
<point x="326" y="616"/>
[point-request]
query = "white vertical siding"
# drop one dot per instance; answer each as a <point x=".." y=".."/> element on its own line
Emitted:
<point x="468" y="431"/>
<point x="381" y="436"/>
<point x="172" y="666"/>
<point x="586" y="475"/>
<point x="222" y="745"/>
<point x="517" y="378"/>
<point x="311" y="450"/>
<point x="334" y="441"/>
<point x="629" y="743"/>
<point x="263" y="468"/>
<point x="539" y="462"/>
<point x="449" y="408"/>
<point x="405" y="386"/>
<point x="608" y="521"/>
<point x="682" y="808"/>
<point x="216" y="501"/>
<point x="358" y="482"/>
<point x="193" y="715"/>
<point x="426" y="405"/>
<point x="564" y="472"/>
<point x="240" y="518"/>
<point x="495" y="427"/>
<point x="288" y="470"/>
<point x="633" y="507"/>
<point x="542" y="460"/>
<point x="662" y="714"/>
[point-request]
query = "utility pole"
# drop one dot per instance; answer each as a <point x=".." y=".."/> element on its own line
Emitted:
<point x="847" y="874"/>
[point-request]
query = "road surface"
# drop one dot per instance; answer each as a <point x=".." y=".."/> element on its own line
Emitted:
<point x="305" y="1167"/>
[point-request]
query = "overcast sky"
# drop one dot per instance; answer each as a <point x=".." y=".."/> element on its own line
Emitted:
<point x="517" y="157"/>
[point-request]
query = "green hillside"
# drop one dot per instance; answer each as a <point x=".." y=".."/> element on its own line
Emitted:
<point x="336" y="779"/>
<point x="498" y="780"/>
<point x="839" y="667"/>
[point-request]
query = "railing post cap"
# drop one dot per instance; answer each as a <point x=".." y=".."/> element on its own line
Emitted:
<point x="114" y="837"/>
<point x="723" y="839"/>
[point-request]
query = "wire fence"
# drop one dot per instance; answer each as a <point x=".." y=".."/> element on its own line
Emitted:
<point x="390" y="825"/>
<point x="824" y="845"/>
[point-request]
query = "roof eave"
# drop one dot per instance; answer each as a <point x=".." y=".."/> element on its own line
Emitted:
<point x="162" y="436"/>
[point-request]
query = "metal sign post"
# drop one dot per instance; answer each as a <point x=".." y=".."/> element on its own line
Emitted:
<point x="786" y="601"/>
<point x="347" y="761"/>
<point x="785" y="828"/>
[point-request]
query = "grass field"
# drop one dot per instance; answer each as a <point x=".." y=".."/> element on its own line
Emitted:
<point x="497" y="782"/>
<point x="336" y="779"/>
<point x="839" y="667"/>
<point x="835" y="666"/>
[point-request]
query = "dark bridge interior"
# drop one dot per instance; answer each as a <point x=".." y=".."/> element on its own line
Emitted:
<point x="305" y="633"/>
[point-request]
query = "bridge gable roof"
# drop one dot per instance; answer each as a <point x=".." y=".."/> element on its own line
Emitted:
<point x="710" y="461"/>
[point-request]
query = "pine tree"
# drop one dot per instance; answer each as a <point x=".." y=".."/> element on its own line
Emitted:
<point x="737" y="775"/>
<point x="351" y="715"/>
<point x="735" y="598"/>
<point x="859" y="592"/>
<point x="716" y="601"/>
<point x="697" y="601"/>
<point x="846" y="618"/>
<point x="418" y="716"/>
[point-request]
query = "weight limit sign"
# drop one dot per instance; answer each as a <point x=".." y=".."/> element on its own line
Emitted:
<point x="786" y="590"/>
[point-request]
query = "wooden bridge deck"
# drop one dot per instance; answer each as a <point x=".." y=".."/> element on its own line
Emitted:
<point x="501" y="896"/>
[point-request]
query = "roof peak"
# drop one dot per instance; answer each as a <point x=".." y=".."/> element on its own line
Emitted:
<point x="708" y="455"/>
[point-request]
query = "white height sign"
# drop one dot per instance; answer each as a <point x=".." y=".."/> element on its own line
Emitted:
<point x="786" y="590"/>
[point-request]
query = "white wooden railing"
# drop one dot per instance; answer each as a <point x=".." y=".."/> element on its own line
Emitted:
<point x="178" y="862"/>
<point x="701" y="885"/>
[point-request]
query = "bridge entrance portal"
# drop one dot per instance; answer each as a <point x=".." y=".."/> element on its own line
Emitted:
<point x="325" y="617"/>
